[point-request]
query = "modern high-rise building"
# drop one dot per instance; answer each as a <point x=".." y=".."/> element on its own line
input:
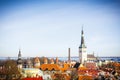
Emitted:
<point x="82" y="50"/>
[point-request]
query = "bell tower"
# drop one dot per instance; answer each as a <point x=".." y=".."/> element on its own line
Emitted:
<point x="82" y="49"/>
<point x="19" y="60"/>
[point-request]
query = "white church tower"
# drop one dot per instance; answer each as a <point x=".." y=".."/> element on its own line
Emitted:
<point x="82" y="49"/>
<point x="19" y="60"/>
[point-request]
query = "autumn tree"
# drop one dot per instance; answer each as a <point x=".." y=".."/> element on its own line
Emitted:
<point x="74" y="74"/>
<point x="11" y="69"/>
<point x="59" y="76"/>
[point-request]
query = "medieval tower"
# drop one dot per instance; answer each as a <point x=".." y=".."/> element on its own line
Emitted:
<point x="82" y="50"/>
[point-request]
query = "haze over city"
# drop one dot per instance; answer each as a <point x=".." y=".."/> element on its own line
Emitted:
<point x="49" y="28"/>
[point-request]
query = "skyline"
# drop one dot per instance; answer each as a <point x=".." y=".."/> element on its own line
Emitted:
<point x="49" y="28"/>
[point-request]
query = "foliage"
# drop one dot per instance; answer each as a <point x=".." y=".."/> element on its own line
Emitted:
<point x="11" y="69"/>
<point x="74" y="75"/>
<point x="59" y="76"/>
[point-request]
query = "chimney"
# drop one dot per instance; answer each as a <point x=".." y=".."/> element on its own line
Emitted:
<point x="68" y="54"/>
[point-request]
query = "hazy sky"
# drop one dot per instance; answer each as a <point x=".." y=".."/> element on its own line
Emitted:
<point x="49" y="28"/>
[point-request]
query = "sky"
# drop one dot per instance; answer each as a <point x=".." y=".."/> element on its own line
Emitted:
<point x="49" y="27"/>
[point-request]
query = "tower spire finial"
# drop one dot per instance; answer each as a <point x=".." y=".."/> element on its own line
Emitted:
<point x="19" y="48"/>
<point x="82" y="26"/>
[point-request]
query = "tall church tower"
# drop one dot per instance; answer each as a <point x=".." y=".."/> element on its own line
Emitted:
<point x="82" y="49"/>
<point x="19" y="60"/>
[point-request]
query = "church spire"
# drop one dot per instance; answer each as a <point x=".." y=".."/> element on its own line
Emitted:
<point x="19" y="54"/>
<point x="82" y="49"/>
<point x="19" y="60"/>
<point x="82" y="45"/>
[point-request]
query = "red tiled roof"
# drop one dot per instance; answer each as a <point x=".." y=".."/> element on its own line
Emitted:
<point x="49" y="67"/>
<point x="40" y="78"/>
<point x="90" y="56"/>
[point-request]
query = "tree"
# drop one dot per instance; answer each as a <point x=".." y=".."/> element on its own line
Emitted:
<point x="11" y="69"/>
<point x="74" y="74"/>
<point x="59" y="76"/>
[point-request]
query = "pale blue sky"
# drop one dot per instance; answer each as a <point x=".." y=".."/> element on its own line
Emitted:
<point x="49" y="28"/>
